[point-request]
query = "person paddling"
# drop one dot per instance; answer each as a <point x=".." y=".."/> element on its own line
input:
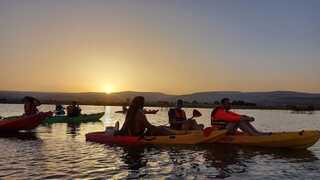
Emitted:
<point x="136" y="123"/>
<point x="73" y="110"/>
<point x="179" y="121"/>
<point x="222" y="117"/>
<point x="30" y="105"/>
<point x="59" y="110"/>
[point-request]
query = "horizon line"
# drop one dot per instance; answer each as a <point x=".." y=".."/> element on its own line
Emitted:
<point x="130" y="91"/>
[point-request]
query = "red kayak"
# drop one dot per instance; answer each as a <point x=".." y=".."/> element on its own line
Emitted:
<point x="23" y="122"/>
<point x="103" y="138"/>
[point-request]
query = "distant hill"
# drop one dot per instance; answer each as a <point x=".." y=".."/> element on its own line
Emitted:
<point x="275" y="98"/>
<point x="49" y="97"/>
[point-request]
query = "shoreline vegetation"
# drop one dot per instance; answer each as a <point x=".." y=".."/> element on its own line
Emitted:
<point x="296" y="108"/>
<point x="273" y="100"/>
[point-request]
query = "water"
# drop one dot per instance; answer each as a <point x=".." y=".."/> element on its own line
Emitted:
<point x="61" y="152"/>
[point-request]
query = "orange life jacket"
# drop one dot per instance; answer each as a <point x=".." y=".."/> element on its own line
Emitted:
<point x="216" y="124"/>
<point x="213" y="113"/>
<point x="180" y="114"/>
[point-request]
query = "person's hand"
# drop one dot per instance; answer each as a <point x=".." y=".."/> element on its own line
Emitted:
<point x="251" y="119"/>
<point x="246" y="118"/>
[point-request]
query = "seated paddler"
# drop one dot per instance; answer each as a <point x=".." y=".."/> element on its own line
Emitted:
<point x="30" y="105"/>
<point x="137" y="124"/>
<point x="223" y="118"/>
<point x="179" y="121"/>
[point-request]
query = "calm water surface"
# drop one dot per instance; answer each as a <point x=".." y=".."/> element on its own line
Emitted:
<point x="61" y="152"/>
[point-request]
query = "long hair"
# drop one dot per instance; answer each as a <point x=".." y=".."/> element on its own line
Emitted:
<point x="136" y="104"/>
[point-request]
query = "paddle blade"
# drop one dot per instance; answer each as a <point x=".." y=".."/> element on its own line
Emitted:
<point x="196" y="113"/>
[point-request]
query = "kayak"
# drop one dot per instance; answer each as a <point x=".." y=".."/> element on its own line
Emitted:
<point x="15" y="124"/>
<point x="84" y="118"/>
<point x="189" y="138"/>
<point x="289" y="140"/>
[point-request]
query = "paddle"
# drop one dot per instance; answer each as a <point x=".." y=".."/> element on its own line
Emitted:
<point x="195" y="113"/>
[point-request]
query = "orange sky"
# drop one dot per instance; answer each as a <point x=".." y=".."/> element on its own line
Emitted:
<point x="162" y="46"/>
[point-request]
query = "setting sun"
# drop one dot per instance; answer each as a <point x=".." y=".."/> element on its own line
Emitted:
<point x="109" y="89"/>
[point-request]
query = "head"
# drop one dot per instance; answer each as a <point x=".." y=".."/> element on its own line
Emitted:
<point x="179" y="103"/>
<point x="225" y="102"/>
<point x="137" y="102"/>
<point x="28" y="100"/>
<point x="59" y="106"/>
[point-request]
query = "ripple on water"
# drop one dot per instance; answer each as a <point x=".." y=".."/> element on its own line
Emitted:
<point x="61" y="152"/>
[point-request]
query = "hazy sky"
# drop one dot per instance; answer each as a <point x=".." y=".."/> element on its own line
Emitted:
<point x="160" y="45"/>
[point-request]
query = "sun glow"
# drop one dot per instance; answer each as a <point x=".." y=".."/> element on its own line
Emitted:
<point x="109" y="89"/>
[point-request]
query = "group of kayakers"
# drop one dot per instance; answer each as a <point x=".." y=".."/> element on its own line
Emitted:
<point x="136" y="123"/>
<point x="31" y="107"/>
<point x="73" y="110"/>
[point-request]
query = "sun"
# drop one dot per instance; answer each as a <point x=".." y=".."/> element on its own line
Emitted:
<point x="109" y="89"/>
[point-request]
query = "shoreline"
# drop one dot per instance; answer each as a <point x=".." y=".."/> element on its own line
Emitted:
<point x="202" y="106"/>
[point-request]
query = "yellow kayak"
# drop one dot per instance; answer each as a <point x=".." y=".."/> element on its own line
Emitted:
<point x="290" y="140"/>
<point x="185" y="138"/>
<point x="180" y="138"/>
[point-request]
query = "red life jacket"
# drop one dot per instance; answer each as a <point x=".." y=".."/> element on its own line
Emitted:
<point x="217" y="124"/>
<point x="213" y="113"/>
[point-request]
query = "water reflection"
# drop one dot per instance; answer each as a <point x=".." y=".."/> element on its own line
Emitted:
<point x="73" y="129"/>
<point x="20" y="135"/>
<point x="60" y="151"/>
<point x="134" y="158"/>
<point x="296" y="156"/>
<point x="226" y="159"/>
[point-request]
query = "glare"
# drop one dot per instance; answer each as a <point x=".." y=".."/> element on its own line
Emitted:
<point x="109" y="89"/>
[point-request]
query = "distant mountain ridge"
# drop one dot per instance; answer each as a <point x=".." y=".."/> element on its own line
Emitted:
<point x="273" y="98"/>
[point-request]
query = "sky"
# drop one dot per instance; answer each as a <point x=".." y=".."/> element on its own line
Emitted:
<point x="169" y="46"/>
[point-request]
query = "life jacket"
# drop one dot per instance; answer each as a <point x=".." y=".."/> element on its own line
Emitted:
<point x="180" y="114"/>
<point x="217" y="124"/>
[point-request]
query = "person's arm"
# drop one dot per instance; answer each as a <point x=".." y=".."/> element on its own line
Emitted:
<point x="242" y="117"/>
<point x="144" y="120"/>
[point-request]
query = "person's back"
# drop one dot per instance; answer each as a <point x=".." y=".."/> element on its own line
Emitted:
<point x="136" y="123"/>
<point x="137" y="127"/>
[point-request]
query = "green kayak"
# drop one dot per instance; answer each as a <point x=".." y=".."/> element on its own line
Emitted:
<point x="84" y="118"/>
